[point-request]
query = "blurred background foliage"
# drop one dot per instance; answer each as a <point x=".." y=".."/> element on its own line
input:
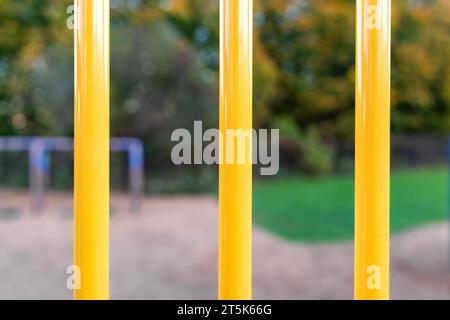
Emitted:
<point x="164" y="75"/>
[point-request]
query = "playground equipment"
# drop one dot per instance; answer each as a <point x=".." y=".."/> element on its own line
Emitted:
<point x="235" y="180"/>
<point x="373" y="42"/>
<point x="91" y="149"/>
<point x="15" y="144"/>
<point x="40" y="149"/>
<point x="91" y="141"/>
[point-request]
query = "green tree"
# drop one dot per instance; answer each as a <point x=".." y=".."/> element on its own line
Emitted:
<point x="304" y="62"/>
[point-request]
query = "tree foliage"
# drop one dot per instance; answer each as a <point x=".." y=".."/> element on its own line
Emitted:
<point x="164" y="71"/>
<point x="304" y="62"/>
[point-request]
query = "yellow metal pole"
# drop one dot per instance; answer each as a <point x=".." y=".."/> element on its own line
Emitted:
<point x="91" y="190"/>
<point x="235" y="179"/>
<point x="373" y="45"/>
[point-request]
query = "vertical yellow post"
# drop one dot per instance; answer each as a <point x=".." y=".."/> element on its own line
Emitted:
<point x="373" y="42"/>
<point x="235" y="179"/>
<point x="91" y="190"/>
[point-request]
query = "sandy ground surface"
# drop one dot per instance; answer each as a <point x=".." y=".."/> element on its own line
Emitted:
<point x="169" y="251"/>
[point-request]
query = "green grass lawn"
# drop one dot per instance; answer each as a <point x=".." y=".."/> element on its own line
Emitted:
<point x="321" y="209"/>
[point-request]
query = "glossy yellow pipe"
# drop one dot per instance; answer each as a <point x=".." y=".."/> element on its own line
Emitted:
<point x="235" y="180"/>
<point x="373" y="43"/>
<point x="91" y="190"/>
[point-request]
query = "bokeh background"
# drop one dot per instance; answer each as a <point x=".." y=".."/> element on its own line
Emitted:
<point x="164" y="76"/>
